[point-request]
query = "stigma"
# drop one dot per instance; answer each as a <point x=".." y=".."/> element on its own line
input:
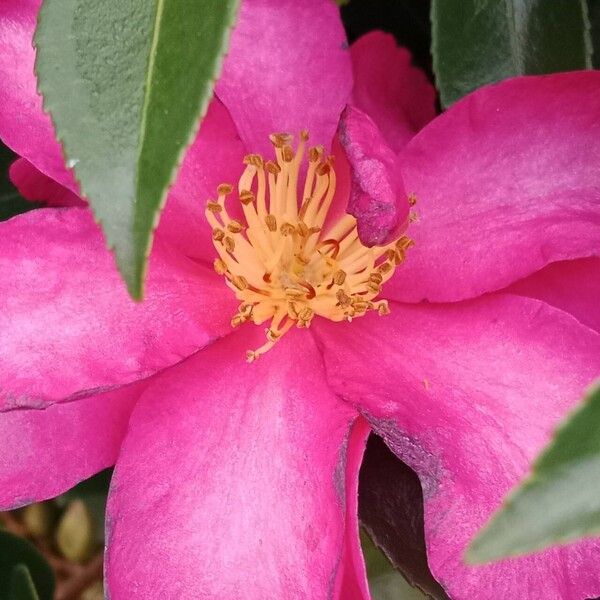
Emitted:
<point x="285" y="259"/>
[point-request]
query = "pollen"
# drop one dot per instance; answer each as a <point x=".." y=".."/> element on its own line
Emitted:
<point x="286" y="261"/>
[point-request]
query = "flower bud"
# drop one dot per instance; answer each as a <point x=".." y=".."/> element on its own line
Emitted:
<point x="75" y="532"/>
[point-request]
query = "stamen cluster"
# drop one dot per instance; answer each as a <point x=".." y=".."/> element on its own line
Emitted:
<point x="283" y="259"/>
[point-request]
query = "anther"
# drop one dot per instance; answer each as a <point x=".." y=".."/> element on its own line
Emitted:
<point x="315" y="153"/>
<point x="339" y="277"/>
<point x="287" y="153"/>
<point x="342" y="298"/>
<point x="272" y="167"/>
<point x="235" y="226"/>
<point x="224" y="189"/>
<point x="220" y="266"/>
<point x="306" y="314"/>
<point x="302" y="229"/>
<point x="383" y="308"/>
<point x="271" y="222"/>
<point x="214" y="207"/>
<point x="218" y="234"/>
<point x="229" y="244"/>
<point x="246" y="197"/>
<point x="287" y="229"/>
<point x="412" y="199"/>
<point x="323" y="168"/>
<point x="280" y="139"/>
<point x="256" y="160"/>
<point x="238" y="320"/>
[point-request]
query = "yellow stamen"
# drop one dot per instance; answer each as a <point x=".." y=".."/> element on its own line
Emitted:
<point x="281" y="263"/>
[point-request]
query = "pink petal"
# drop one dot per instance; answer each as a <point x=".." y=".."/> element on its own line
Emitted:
<point x="215" y="157"/>
<point x="377" y="196"/>
<point x="45" y="452"/>
<point x="467" y="395"/>
<point x="395" y="94"/>
<point x="34" y="185"/>
<point x="231" y="482"/>
<point x="572" y="286"/>
<point x="353" y="583"/>
<point x="23" y="124"/>
<point x="288" y="69"/>
<point x="506" y="181"/>
<point x="68" y="326"/>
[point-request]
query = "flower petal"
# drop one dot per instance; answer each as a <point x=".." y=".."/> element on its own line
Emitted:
<point x="467" y="395"/>
<point x="506" y="182"/>
<point x="215" y="157"/>
<point x="395" y="94"/>
<point x="231" y="481"/>
<point x="353" y="580"/>
<point x="67" y="325"/>
<point x="288" y="69"/>
<point x="46" y="452"/>
<point x="377" y="196"/>
<point x="34" y="185"/>
<point x="23" y="124"/>
<point x="572" y="286"/>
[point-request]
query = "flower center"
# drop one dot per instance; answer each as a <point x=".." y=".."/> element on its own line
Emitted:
<point x="284" y="261"/>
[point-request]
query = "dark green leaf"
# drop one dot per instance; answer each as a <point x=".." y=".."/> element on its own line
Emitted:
<point x="16" y="551"/>
<point x="559" y="501"/>
<point x="11" y="203"/>
<point x="126" y="84"/>
<point x="481" y="41"/>
<point x="594" y="10"/>
<point x="391" y="512"/>
<point x="21" y="584"/>
<point x="385" y="583"/>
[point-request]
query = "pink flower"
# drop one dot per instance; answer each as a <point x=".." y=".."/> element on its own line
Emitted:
<point x="240" y="481"/>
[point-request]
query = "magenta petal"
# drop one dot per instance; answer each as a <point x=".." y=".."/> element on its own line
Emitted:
<point x="396" y="95"/>
<point x="45" y="452"/>
<point x="67" y="325"/>
<point x="352" y="583"/>
<point x="34" y="185"/>
<point x="23" y="124"/>
<point x="231" y="481"/>
<point x="215" y="157"/>
<point x="288" y="69"/>
<point x="377" y="196"/>
<point x="572" y="286"/>
<point x="467" y="395"/>
<point x="506" y="181"/>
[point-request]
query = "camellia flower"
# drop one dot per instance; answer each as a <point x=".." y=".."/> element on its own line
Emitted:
<point x="237" y="480"/>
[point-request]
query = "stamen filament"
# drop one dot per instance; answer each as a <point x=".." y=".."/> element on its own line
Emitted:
<point x="280" y="263"/>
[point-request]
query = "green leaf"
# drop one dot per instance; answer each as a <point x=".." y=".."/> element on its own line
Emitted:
<point x="559" y="501"/>
<point x="21" y="584"/>
<point x="11" y="202"/>
<point x="385" y="583"/>
<point x="476" y="42"/>
<point x="126" y="84"/>
<point x="594" y="10"/>
<point x="16" y="553"/>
